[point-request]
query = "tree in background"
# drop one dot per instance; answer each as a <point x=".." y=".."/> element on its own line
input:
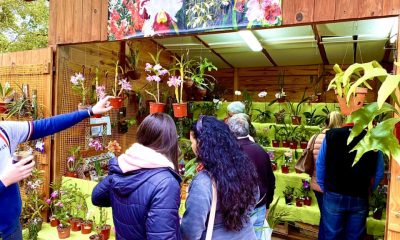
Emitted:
<point x="23" y="25"/>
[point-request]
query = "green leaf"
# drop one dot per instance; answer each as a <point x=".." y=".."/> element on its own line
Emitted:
<point x="380" y="138"/>
<point x="364" y="116"/>
<point x="387" y="88"/>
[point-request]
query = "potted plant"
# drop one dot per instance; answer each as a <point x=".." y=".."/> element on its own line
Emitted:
<point x="183" y="66"/>
<point x="296" y="110"/>
<point x="288" y="157"/>
<point x="288" y="194"/>
<point x="315" y="82"/>
<point x="377" y="202"/>
<point x="73" y="162"/>
<point x="248" y="103"/>
<point x="305" y="189"/>
<point x="265" y="115"/>
<point x="132" y="60"/>
<point x="6" y="96"/>
<point x="351" y="85"/>
<point x="303" y="136"/>
<point x="275" y="216"/>
<point x="299" y="198"/>
<point x="64" y="228"/>
<point x="155" y="73"/>
<point x="124" y="85"/>
<point x="201" y="80"/>
<point x="277" y="135"/>
<point x="271" y="156"/>
<point x="103" y="228"/>
<point x="78" y="86"/>
<point x="87" y="223"/>
<point x="280" y="116"/>
<point x="280" y="96"/>
<point x="313" y="119"/>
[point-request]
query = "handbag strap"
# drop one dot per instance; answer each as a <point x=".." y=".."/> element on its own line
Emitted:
<point x="313" y="142"/>
<point x="210" y="226"/>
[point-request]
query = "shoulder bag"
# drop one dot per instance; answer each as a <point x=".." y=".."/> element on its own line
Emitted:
<point x="305" y="164"/>
<point x="211" y="218"/>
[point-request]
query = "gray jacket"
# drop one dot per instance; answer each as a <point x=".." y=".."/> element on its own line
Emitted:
<point x="198" y="206"/>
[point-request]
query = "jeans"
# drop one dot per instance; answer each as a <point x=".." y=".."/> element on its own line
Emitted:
<point x="16" y="235"/>
<point x="257" y="218"/>
<point x="344" y="217"/>
<point x="320" y="196"/>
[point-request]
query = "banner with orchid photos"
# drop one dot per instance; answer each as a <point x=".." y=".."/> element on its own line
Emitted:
<point x="138" y="18"/>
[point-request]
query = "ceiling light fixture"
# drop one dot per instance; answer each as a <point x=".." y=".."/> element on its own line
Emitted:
<point x="251" y="40"/>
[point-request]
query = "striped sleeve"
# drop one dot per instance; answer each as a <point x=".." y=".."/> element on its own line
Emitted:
<point x="16" y="132"/>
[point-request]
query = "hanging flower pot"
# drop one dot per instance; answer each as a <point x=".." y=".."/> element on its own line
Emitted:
<point x="133" y="74"/>
<point x="285" y="169"/>
<point x="71" y="174"/>
<point x="157" y="107"/>
<point x="299" y="202"/>
<point x="86" y="227"/>
<point x="303" y="144"/>
<point x="275" y="143"/>
<point x="293" y="145"/>
<point x="75" y="224"/>
<point x="116" y="102"/>
<point x="64" y="232"/>
<point x="54" y="222"/>
<point x="318" y="97"/>
<point x="307" y="201"/>
<point x="200" y="93"/>
<point x="285" y="143"/>
<point x="282" y="99"/>
<point x="180" y="110"/>
<point x="355" y="102"/>
<point x="296" y="120"/>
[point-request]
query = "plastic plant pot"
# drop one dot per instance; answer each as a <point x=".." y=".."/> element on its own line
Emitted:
<point x="157" y="107"/>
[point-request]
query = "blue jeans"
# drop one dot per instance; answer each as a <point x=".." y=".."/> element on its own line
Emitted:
<point x="320" y="198"/>
<point x="16" y="235"/>
<point x="344" y="217"/>
<point x="257" y="218"/>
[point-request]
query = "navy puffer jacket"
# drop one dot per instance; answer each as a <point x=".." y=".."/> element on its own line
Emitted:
<point x="144" y="202"/>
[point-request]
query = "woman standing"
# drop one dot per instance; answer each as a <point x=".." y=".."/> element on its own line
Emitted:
<point x="223" y="162"/>
<point x="143" y="187"/>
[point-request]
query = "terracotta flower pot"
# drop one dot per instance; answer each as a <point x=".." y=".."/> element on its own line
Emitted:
<point x="303" y="144"/>
<point x="180" y="110"/>
<point x="296" y="120"/>
<point x="285" y="143"/>
<point x="377" y="214"/>
<point x="293" y="145"/>
<point x="299" y="202"/>
<point x="288" y="199"/>
<point x="157" y="107"/>
<point x="64" y="232"/>
<point x="86" y="227"/>
<point x="275" y="143"/>
<point x="105" y="231"/>
<point x="75" y="224"/>
<point x="307" y="201"/>
<point x="355" y="103"/>
<point x="3" y="107"/>
<point x="54" y="222"/>
<point x="116" y="102"/>
<point x="285" y="169"/>
<point x="71" y="174"/>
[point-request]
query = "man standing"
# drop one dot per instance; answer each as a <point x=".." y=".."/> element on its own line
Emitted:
<point x="14" y="133"/>
<point x="239" y="125"/>
<point x="346" y="187"/>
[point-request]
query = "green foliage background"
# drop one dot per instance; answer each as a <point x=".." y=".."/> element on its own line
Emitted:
<point x="23" y="25"/>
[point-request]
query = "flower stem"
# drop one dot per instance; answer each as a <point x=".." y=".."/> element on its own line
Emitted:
<point x="154" y="96"/>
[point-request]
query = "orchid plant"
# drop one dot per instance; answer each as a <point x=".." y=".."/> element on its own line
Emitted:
<point x="123" y="83"/>
<point x="74" y="160"/>
<point x="305" y="188"/>
<point x="155" y="72"/>
<point x="78" y="86"/>
<point x="96" y="144"/>
<point x="114" y="147"/>
<point x="263" y="116"/>
<point x="183" y="66"/>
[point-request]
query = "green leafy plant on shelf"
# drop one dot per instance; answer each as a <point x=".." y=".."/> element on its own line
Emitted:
<point x="280" y="116"/>
<point x="313" y="119"/>
<point x="380" y="137"/>
<point x="288" y="193"/>
<point x="295" y="109"/>
<point x="276" y="216"/>
<point x="201" y="79"/>
<point x="263" y="115"/>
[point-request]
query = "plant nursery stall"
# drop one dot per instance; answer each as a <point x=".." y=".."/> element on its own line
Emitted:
<point x="188" y="58"/>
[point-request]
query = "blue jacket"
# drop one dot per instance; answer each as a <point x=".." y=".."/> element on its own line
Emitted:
<point x="144" y="202"/>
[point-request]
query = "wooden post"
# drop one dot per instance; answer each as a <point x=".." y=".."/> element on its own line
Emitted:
<point x="235" y="80"/>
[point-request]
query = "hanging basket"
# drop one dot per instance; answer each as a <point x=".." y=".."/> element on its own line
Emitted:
<point x="116" y="102"/>
<point x="180" y="110"/>
<point x="157" y="107"/>
<point x="355" y="103"/>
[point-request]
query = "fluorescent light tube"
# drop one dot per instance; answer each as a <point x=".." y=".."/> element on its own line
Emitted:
<point x="251" y="40"/>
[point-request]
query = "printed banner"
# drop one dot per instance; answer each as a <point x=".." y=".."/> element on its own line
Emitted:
<point x="138" y="18"/>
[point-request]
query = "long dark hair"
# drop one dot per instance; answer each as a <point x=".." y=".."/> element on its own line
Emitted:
<point x="158" y="132"/>
<point x="234" y="174"/>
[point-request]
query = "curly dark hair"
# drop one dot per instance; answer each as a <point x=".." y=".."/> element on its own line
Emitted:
<point x="234" y="173"/>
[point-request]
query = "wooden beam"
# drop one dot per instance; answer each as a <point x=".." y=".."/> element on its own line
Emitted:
<point x="321" y="47"/>
<point x="213" y="51"/>
<point x="267" y="55"/>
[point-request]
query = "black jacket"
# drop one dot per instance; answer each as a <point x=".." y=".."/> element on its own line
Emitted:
<point x="266" y="177"/>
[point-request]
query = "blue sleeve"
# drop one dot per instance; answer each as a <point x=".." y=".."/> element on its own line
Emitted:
<point x="2" y="187"/>
<point x="48" y="126"/>
<point x="320" y="165"/>
<point x="380" y="169"/>
<point x="101" y="193"/>
<point x="198" y="206"/>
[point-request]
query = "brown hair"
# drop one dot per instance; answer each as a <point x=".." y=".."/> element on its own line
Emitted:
<point x="158" y="132"/>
